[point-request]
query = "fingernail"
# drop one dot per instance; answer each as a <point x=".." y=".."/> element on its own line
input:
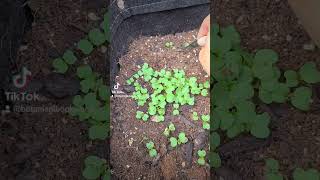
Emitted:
<point x="202" y="41"/>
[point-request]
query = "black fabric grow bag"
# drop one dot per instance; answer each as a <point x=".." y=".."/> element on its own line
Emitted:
<point x="133" y="18"/>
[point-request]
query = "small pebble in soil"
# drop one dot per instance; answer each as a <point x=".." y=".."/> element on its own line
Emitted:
<point x="93" y="17"/>
<point x="266" y="37"/>
<point x="309" y="47"/>
<point x="103" y="49"/>
<point x="289" y="38"/>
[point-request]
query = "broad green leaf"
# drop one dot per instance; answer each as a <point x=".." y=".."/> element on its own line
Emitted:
<point x="265" y="96"/>
<point x="301" y="98"/>
<point x="97" y="37"/>
<point x="60" y="66"/>
<point x="272" y="165"/>
<point x="98" y="132"/>
<point x="241" y="92"/>
<point x="274" y="176"/>
<point x="231" y="33"/>
<point x="309" y="73"/>
<point x="69" y="57"/>
<point x="104" y="92"/>
<point x="78" y="101"/>
<point x="85" y="46"/>
<point x="84" y="71"/>
<point x="266" y="56"/>
<point x="215" y="160"/>
<point x="214" y="140"/>
<point x="93" y="161"/>
<point x="310" y="174"/>
<point x="91" y="172"/>
<point x="281" y="93"/>
<point x="291" y="78"/>
<point x="260" y="127"/>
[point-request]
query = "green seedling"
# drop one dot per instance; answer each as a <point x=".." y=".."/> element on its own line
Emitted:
<point x="310" y="174"/>
<point x="201" y="155"/>
<point x="169" y="45"/>
<point x="172" y="127"/>
<point x="69" y="57"/>
<point x="272" y="170"/>
<point x="85" y="46"/>
<point x="205" y="122"/>
<point x="139" y="114"/>
<point x="182" y="139"/>
<point x="166" y="132"/>
<point x="151" y="148"/>
<point x="60" y="66"/>
<point x="168" y="87"/>
<point x="238" y="74"/>
<point x="215" y="160"/>
<point x="169" y="129"/>
<point x="173" y="142"/>
<point x="175" y="112"/>
<point x="145" y="117"/>
<point x="95" y="168"/>
<point x="195" y="116"/>
<point x="97" y="37"/>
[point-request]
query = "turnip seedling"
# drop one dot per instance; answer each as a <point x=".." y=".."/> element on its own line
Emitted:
<point x="195" y="116"/>
<point x="173" y="142"/>
<point x="69" y="57"/>
<point x="97" y="37"/>
<point x="201" y="155"/>
<point x="85" y="46"/>
<point x="182" y="138"/>
<point x="151" y="148"/>
<point x="60" y="66"/>
<point x="169" y="45"/>
<point x="95" y="168"/>
<point x="172" y="127"/>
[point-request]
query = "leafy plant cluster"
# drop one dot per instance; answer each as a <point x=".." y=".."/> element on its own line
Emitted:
<point x="93" y="105"/>
<point x="95" y="168"/>
<point x="166" y="87"/>
<point x="272" y="172"/>
<point x="201" y="154"/>
<point x="241" y="79"/>
<point x="169" y="45"/>
<point x="151" y="148"/>
<point x="175" y="141"/>
<point x="239" y="76"/>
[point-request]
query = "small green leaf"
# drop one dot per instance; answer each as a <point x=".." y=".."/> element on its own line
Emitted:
<point x="98" y="132"/>
<point x="260" y="127"/>
<point x="291" y="78"/>
<point x="153" y="153"/>
<point x="215" y="160"/>
<point x="150" y="145"/>
<point x="91" y="172"/>
<point x="97" y="37"/>
<point x="173" y="142"/>
<point x="301" y="98"/>
<point x="85" y="46"/>
<point x="84" y="71"/>
<point x="69" y="57"/>
<point x="201" y="153"/>
<point x="60" y="66"/>
<point x="309" y="73"/>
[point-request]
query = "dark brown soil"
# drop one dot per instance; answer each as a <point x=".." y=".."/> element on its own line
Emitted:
<point x="51" y="145"/>
<point x="129" y="156"/>
<point x="295" y="135"/>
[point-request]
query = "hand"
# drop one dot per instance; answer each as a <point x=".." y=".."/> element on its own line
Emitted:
<point x="204" y="41"/>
